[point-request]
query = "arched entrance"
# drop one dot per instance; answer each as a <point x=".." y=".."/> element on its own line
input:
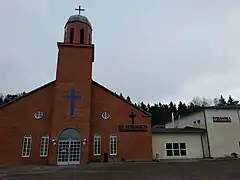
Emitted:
<point x="69" y="147"/>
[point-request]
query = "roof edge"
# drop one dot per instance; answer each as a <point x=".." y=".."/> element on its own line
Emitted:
<point x="147" y="114"/>
<point x="29" y="93"/>
<point x="178" y="130"/>
<point x="223" y="107"/>
<point x="90" y="26"/>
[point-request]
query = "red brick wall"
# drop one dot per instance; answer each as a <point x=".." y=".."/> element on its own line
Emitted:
<point x="131" y="145"/>
<point x="17" y="119"/>
<point x="77" y="26"/>
<point x="74" y="71"/>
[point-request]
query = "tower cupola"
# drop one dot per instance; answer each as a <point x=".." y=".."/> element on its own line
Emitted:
<point x="78" y="29"/>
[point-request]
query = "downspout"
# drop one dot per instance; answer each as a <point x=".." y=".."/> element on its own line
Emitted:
<point x="205" y="123"/>
<point x="202" y="145"/>
<point x="238" y="113"/>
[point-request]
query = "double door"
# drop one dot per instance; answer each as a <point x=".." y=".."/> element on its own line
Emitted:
<point x="69" y="152"/>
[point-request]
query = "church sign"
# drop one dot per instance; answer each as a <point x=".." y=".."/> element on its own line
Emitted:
<point x="221" y="119"/>
<point x="132" y="127"/>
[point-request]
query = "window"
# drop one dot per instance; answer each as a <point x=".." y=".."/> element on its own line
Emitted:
<point x="89" y="38"/>
<point x="105" y="115"/>
<point x="198" y="121"/>
<point x="194" y="122"/>
<point x="26" y="147"/>
<point x="65" y="33"/>
<point x="176" y="149"/>
<point x="81" y="36"/>
<point x="38" y="115"/>
<point x="113" y="144"/>
<point x="97" y="145"/>
<point x="44" y="146"/>
<point x="71" y="35"/>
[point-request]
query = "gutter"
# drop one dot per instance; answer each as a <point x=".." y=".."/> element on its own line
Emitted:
<point x="202" y="145"/>
<point x="238" y="113"/>
<point x="205" y="123"/>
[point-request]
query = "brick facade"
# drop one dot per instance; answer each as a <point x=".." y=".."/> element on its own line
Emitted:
<point x="74" y="72"/>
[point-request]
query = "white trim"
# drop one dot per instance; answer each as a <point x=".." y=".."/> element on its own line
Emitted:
<point x="179" y="149"/>
<point x="38" y="115"/>
<point x="97" y="145"/>
<point x="26" y="146"/>
<point x="105" y="115"/>
<point x="112" y="149"/>
<point x="44" y="145"/>
<point x="68" y="161"/>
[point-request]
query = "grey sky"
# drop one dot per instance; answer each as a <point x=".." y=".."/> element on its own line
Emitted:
<point x="153" y="51"/>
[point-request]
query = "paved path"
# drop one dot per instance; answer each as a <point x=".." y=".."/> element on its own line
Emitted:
<point x="202" y="170"/>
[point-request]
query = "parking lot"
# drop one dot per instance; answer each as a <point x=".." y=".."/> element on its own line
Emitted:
<point x="197" y="170"/>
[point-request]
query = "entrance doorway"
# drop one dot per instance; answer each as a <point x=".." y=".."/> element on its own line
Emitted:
<point x="69" y="147"/>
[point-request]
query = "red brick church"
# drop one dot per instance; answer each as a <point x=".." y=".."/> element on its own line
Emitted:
<point x="73" y="119"/>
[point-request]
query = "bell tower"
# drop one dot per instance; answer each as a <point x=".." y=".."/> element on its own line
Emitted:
<point x="72" y="96"/>
<point x="78" y="29"/>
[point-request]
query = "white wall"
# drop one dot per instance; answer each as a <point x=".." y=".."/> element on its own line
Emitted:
<point x="224" y="137"/>
<point x="193" y="144"/>
<point x="205" y="145"/>
<point x="188" y="121"/>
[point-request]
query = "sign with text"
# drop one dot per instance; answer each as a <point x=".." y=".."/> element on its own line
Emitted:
<point x="132" y="127"/>
<point x="221" y="119"/>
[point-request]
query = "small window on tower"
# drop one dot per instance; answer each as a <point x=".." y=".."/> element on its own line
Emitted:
<point x="65" y="34"/>
<point x="89" y="38"/>
<point x="71" y="35"/>
<point x="81" y="36"/>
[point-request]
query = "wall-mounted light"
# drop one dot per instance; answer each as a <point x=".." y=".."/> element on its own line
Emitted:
<point x="84" y="141"/>
<point x="54" y="142"/>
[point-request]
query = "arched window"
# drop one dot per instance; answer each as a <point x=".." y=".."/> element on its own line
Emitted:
<point x="97" y="145"/>
<point x="81" y="36"/>
<point x="71" y="35"/>
<point x="65" y="34"/>
<point x="26" y="147"/>
<point x="67" y="134"/>
<point x="113" y="144"/>
<point x="44" y="146"/>
<point x="89" y="38"/>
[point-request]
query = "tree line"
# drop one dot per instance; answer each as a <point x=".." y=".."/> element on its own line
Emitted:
<point x="10" y="97"/>
<point x="161" y="113"/>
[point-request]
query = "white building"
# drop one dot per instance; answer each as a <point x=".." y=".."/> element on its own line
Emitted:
<point x="221" y="137"/>
<point x="181" y="143"/>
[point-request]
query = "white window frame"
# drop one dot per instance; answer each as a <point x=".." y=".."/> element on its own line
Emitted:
<point x="44" y="145"/>
<point x="179" y="149"/>
<point x="27" y="146"/>
<point x="97" y="145"/>
<point x="112" y="141"/>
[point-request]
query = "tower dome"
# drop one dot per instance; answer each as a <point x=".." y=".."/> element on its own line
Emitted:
<point x="79" y="18"/>
<point x="78" y="29"/>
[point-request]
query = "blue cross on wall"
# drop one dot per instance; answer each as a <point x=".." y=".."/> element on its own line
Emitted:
<point x="72" y="97"/>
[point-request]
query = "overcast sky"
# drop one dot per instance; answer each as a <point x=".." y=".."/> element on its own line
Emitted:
<point x="158" y="50"/>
